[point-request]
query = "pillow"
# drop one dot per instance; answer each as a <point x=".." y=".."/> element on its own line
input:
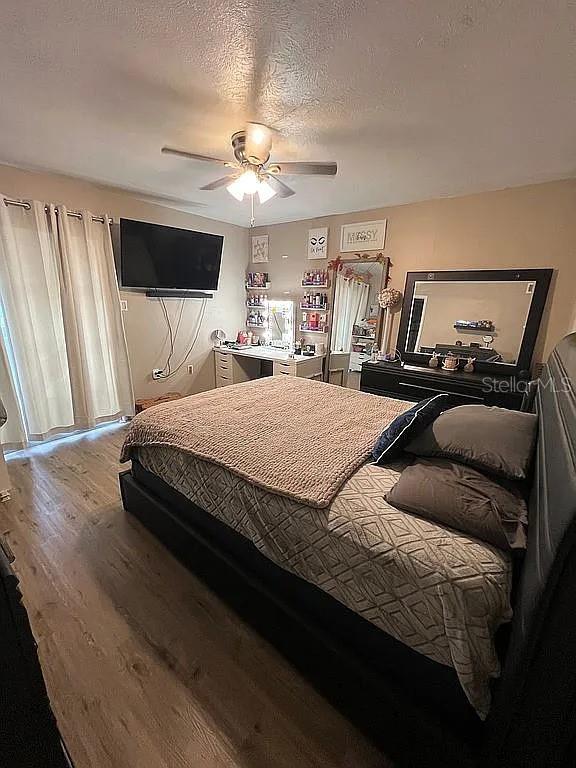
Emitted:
<point x="460" y="497"/>
<point x="494" y="440"/>
<point x="391" y="442"/>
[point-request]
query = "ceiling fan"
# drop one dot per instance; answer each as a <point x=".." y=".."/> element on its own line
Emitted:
<point x="251" y="172"/>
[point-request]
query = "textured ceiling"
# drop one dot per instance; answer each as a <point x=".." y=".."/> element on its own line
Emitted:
<point x="413" y="98"/>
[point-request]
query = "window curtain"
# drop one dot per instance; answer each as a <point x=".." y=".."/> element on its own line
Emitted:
<point x="12" y="433"/>
<point x="99" y="370"/>
<point x="57" y="372"/>
<point x="350" y="301"/>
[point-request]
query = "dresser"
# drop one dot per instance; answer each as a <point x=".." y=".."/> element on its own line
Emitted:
<point x="414" y="383"/>
<point x="233" y="366"/>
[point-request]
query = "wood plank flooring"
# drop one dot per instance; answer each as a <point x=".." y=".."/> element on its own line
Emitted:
<point x="145" y="667"/>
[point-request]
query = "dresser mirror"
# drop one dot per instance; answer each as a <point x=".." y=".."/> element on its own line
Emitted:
<point x="355" y="326"/>
<point x="491" y="316"/>
<point x="280" y="331"/>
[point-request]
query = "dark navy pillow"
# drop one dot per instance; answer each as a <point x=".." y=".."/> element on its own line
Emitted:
<point x="406" y="427"/>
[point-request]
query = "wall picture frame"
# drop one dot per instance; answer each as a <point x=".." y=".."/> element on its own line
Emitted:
<point x="365" y="236"/>
<point x="318" y="243"/>
<point x="259" y="249"/>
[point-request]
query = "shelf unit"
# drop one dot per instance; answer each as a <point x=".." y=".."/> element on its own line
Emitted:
<point x="478" y="330"/>
<point x="258" y="311"/>
<point x="312" y="330"/>
<point x="322" y="274"/>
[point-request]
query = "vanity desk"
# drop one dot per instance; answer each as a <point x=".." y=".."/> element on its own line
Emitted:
<point x="233" y="366"/>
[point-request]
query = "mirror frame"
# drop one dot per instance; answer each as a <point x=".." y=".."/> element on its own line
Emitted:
<point x="333" y="269"/>
<point x="541" y="278"/>
<point x="294" y="319"/>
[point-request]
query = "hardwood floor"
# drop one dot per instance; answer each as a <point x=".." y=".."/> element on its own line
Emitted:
<point x="145" y="667"/>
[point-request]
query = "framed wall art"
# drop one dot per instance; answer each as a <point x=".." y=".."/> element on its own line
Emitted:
<point x="259" y="249"/>
<point x="318" y="243"/>
<point x="365" y="236"/>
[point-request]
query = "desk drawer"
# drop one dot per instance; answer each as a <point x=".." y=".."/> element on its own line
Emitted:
<point x="285" y="367"/>
<point x="310" y="368"/>
<point x="222" y="380"/>
<point x="222" y="357"/>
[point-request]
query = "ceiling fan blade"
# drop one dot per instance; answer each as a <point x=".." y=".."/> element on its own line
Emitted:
<point x="258" y="143"/>
<point x="311" y="169"/>
<point x="281" y="189"/>
<point x="191" y="155"/>
<point x="219" y="182"/>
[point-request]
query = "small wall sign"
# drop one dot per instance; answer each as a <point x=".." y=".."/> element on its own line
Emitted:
<point x="318" y="243"/>
<point x="366" y="236"/>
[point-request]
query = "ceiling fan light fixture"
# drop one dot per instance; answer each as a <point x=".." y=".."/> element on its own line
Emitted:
<point x="265" y="192"/>
<point x="246" y="184"/>
<point x="236" y="190"/>
<point x="249" y="184"/>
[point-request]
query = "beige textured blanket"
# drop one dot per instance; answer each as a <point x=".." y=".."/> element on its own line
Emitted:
<point x="292" y="436"/>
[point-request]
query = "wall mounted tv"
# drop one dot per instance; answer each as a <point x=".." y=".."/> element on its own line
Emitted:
<point x="167" y="259"/>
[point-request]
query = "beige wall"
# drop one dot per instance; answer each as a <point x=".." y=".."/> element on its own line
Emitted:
<point x="531" y="226"/>
<point x="526" y="227"/>
<point x="145" y="328"/>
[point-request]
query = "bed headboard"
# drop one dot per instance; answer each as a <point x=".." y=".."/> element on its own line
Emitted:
<point x="538" y="686"/>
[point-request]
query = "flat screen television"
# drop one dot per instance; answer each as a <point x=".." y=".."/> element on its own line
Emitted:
<point x="168" y="258"/>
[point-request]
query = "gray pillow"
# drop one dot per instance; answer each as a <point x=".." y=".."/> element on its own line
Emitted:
<point x="459" y="497"/>
<point x="494" y="440"/>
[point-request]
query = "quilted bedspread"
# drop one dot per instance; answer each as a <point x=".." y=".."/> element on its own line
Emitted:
<point x="436" y="590"/>
<point x="296" y="437"/>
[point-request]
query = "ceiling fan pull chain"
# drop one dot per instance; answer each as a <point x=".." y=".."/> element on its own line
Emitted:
<point x="252" y="219"/>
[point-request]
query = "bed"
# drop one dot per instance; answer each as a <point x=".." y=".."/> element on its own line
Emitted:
<point x="401" y="623"/>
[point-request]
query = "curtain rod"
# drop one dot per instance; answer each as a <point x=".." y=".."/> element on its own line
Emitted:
<point x="74" y="214"/>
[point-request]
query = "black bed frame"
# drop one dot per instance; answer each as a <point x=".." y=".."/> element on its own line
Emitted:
<point x="412" y="707"/>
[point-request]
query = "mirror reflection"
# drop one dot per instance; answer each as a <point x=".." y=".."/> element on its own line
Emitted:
<point x="354" y="321"/>
<point x="483" y="320"/>
<point x="280" y="331"/>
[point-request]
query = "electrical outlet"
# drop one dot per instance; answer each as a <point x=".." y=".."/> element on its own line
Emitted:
<point x="123" y="305"/>
<point x="190" y="368"/>
<point x="156" y="373"/>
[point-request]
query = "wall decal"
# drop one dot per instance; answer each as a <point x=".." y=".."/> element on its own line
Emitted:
<point x="318" y="243"/>
<point x="367" y="236"/>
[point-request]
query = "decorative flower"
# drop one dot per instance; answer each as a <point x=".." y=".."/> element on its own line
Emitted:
<point x="336" y="264"/>
<point x="389" y="298"/>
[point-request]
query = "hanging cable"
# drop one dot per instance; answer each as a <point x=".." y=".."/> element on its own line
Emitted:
<point x="193" y="344"/>
<point x="172" y="334"/>
<point x="166" y="368"/>
<point x="179" y="321"/>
